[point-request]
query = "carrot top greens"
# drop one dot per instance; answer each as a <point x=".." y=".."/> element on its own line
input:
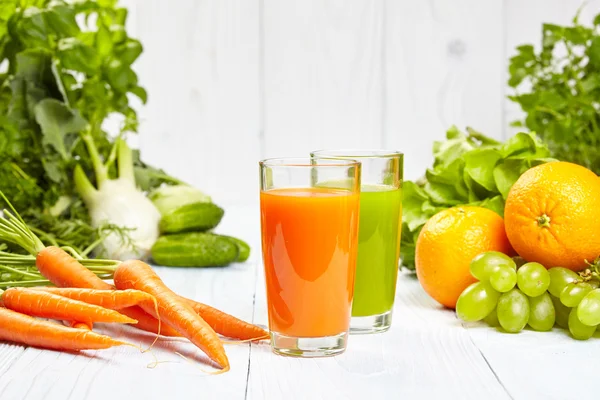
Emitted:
<point x="20" y="269"/>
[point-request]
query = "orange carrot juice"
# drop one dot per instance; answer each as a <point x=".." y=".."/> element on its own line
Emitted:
<point x="309" y="239"/>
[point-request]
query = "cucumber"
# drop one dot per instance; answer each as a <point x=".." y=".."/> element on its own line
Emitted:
<point x="194" y="249"/>
<point x="243" y="247"/>
<point x="199" y="216"/>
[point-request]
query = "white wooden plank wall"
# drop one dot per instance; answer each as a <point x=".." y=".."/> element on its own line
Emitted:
<point x="234" y="81"/>
<point x="200" y="67"/>
<point x="323" y="75"/>
<point x="444" y="65"/>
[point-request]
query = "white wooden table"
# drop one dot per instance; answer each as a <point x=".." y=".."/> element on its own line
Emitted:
<point x="427" y="353"/>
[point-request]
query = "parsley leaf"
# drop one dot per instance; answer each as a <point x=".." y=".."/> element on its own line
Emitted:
<point x="558" y="88"/>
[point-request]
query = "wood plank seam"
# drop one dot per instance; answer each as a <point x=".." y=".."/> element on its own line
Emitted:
<point x="383" y="111"/>
<point x="261" y="82"/>
<point x="26" y="349"/>
<point x="13" y="360"/>
<point x="257" y="265"/>
<point x="79" y="374"/>
<point x="504" y="89"/>
<point x="489" y="365"/>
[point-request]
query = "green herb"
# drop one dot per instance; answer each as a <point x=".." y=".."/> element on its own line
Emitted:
<point x="468" y="169"/>
<point x="59" y="81"/>
<point x="558" y="88"/>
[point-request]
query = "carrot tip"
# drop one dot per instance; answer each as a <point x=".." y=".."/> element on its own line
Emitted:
<point x="217" y="372"/>
<point x="138" y="347"/>
<point x="156" y="363"/>
<point x="256" y="339"/>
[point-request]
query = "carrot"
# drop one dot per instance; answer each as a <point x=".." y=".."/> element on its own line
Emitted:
<point x="148" y="323"/>
<point x="60" y="268"/>
<point x="65" y="271"/>
<point x="78" y="325"/>
<point x="135" y="274"/>
<point x="225" y="324"/>
<point x="113" y="299"/>
<point x="48" y="305"/>
<point x="24" y="329"/>
<point x="122" y="300"/>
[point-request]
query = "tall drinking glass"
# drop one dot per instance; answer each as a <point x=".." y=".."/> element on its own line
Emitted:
<point x="309" y="219"/>
<point x="378" y="236"/>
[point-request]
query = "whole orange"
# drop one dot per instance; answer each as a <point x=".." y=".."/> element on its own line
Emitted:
<point x="552" y="215"/>
<point x="447" y="244"/>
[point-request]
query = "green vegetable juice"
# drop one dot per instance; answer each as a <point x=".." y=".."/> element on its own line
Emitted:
<point x="378" y="250"/>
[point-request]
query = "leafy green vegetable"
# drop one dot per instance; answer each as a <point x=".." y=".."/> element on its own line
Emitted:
<point x="56" y="122"/>
<point x="468" y="169"/>
<point x="62" y="80"/>
<point x="558" y="88"/>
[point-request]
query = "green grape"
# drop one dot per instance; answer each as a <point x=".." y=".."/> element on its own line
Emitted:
<point x="588" y="309"/>
<point x="485" y="263"/>
<point x="541" y="313"/>
<point x="578" y="329"/>
<point x="572" y="294"/>
<point x="533" y="279"/>
<point x="476" y="301"/>
<point x="503" y="278"/>
<point x="492" y="319"/>
<point x="513" y="311"/>
<point x="562" y="312"/>
<point x="559" y="277"/>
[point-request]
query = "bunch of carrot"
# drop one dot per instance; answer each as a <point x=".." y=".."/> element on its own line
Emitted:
<point x="139" y="297"/>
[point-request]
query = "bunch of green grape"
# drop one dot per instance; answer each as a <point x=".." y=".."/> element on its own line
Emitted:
<point x="512" y="294"/>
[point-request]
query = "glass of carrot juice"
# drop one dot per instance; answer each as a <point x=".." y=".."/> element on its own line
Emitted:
<point x="309" y="246"/>
<point x="379" y="232"/>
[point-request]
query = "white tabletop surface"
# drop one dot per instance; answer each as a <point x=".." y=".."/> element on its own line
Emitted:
<point x="427" y="353"/>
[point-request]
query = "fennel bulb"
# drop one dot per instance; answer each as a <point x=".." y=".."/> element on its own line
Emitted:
<point x="120" y="203"/>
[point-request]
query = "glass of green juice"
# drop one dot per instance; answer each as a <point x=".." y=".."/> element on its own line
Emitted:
<point x="380" y="226"/>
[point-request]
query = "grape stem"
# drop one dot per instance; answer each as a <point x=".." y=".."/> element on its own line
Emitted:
<point x="591" y="273"/>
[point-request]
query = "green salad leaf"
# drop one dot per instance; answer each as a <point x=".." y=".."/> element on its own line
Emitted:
<point x="468" y="169"/>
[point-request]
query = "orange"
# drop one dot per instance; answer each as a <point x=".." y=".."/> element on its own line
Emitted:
<point x="552" y="215"/>
<point x="447" y="244"/>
